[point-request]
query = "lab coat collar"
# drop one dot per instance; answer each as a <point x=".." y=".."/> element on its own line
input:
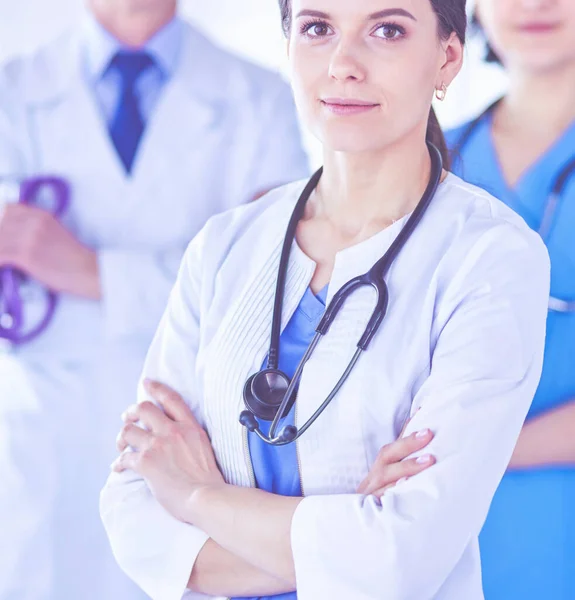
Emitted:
<point x="202" y="69"/>
<point x="100" y="47"/>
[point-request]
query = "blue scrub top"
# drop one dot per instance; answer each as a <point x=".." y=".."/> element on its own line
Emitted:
<point x="276" y="468"/>
<point x="528" y="542"/>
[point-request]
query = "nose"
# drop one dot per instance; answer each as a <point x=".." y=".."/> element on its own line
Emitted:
<point x="344" y="66"/>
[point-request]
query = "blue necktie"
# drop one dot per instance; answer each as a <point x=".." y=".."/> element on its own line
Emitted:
<point x="127" y="125"/>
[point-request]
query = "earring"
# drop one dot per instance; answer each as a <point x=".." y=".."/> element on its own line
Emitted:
<point x="441" y="93"/>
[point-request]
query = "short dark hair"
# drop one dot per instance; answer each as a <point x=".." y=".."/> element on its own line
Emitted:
<point x="452" y="17"/>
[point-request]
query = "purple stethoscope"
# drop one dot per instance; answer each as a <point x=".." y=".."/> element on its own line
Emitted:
<point x="12" y="321"/>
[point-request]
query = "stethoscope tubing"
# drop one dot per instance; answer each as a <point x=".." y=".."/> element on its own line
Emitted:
<point x="556" y="305"/>
<point x="11" y="301"/>
<point x="374" y="278"/>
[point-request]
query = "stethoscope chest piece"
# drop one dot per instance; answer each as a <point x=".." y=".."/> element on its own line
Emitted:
<point x="264" y="393"/>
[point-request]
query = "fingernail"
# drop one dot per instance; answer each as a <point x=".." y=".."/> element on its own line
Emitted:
<point x="423" y="433"/>
<point x="423" y="460"/>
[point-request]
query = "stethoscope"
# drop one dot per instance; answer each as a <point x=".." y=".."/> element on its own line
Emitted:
<point x="269" y="394"/>
<point x="12" y="282"/>
<point x="551" y="206"/>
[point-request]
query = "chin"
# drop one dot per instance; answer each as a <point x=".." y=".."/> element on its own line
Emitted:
<point x="547" y="53"/>
<point x="540" y="62"/>
<point x="350" y="139"/>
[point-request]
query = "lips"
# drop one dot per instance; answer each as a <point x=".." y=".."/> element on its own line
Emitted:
<point x="346" y="107"/>
<point x="539" y="27"/>
<point x="348" y="102"/>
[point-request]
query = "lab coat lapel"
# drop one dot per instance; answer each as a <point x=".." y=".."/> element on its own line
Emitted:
<point x="95" y="214"/>
<point x="184" y="138"/>
<point x="181" y="126"/>
<point x="187" y="128"/>
<point x="242" y="341"/>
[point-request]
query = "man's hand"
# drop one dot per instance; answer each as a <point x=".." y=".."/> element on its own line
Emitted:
<point x="33" y="241"/>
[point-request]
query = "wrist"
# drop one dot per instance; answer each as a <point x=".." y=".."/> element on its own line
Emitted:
<point x="90" y="270"/>
<point x="202" y="496"/>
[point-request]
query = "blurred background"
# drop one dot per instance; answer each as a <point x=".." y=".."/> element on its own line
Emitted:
<point x="249" y="27"/>
<point x="532" y="528"/>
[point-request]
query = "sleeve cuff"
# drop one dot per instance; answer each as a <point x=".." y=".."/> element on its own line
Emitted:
<point x="153" y="548"/>
<point x="323" y="566"/>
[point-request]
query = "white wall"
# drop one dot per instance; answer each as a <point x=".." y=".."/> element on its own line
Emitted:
<point x="250" y="27"/>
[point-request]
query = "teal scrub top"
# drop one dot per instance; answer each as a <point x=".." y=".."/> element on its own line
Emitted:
<point x="528" y="541"/>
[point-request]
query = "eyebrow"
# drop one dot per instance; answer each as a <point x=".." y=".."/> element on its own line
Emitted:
<point x="391" y="12"/>
<point x="382" y="14"/>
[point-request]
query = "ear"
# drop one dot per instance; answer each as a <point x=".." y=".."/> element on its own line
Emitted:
<point x="452" y="60"/>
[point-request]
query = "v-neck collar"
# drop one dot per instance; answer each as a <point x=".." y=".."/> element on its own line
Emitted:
<point x="362" y="256"/>
<point x="536" y="181"/>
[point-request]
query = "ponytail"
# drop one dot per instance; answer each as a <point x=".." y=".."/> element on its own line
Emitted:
<point x="436" y="137"/>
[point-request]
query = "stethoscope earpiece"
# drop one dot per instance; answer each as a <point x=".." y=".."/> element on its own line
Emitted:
<point x="248" y="420"/>
<point x="287" y="435"/>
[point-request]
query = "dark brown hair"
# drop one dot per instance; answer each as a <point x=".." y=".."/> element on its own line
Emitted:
<point x="452" y="17"/>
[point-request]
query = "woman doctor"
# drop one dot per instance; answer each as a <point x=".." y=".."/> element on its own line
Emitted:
<point x="202" y="502"/>
<point x="523" y="150"/>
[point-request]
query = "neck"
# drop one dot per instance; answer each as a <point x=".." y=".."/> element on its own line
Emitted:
<point x="132" y="22"/>
<point x="358" y="192"/>
<point x="541" y="102"/>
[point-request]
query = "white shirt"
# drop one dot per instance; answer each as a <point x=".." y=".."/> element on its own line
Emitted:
<point x="100" y="47"/>
<point x="462" y="340"/>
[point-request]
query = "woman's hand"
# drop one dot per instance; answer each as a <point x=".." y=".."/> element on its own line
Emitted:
<point x="391" y="466"/>
<point x="173" y="453"/>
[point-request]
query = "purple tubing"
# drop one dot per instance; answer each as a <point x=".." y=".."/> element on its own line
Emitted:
<point x="10" y="279"/>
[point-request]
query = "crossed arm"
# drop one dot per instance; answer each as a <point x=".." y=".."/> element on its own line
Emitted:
<point x="473" y="399"/>
<point x="249" y="551"/>
<point x="545" y="440"/>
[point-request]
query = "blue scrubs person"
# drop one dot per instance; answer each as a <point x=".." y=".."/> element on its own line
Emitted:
<point x="276" y="468"/>
<point x="528" y="542"/>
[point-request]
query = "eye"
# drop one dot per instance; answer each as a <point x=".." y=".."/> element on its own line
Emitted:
<point x="389" y="31"/>
<point x="315" y="29"/>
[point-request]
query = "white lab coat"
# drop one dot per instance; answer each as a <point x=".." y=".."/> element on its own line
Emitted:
<point x="463" y="340"/>
<point x="223" y="131"/>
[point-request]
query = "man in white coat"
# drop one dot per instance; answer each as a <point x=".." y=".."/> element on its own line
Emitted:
<point x="155" y="129"/>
